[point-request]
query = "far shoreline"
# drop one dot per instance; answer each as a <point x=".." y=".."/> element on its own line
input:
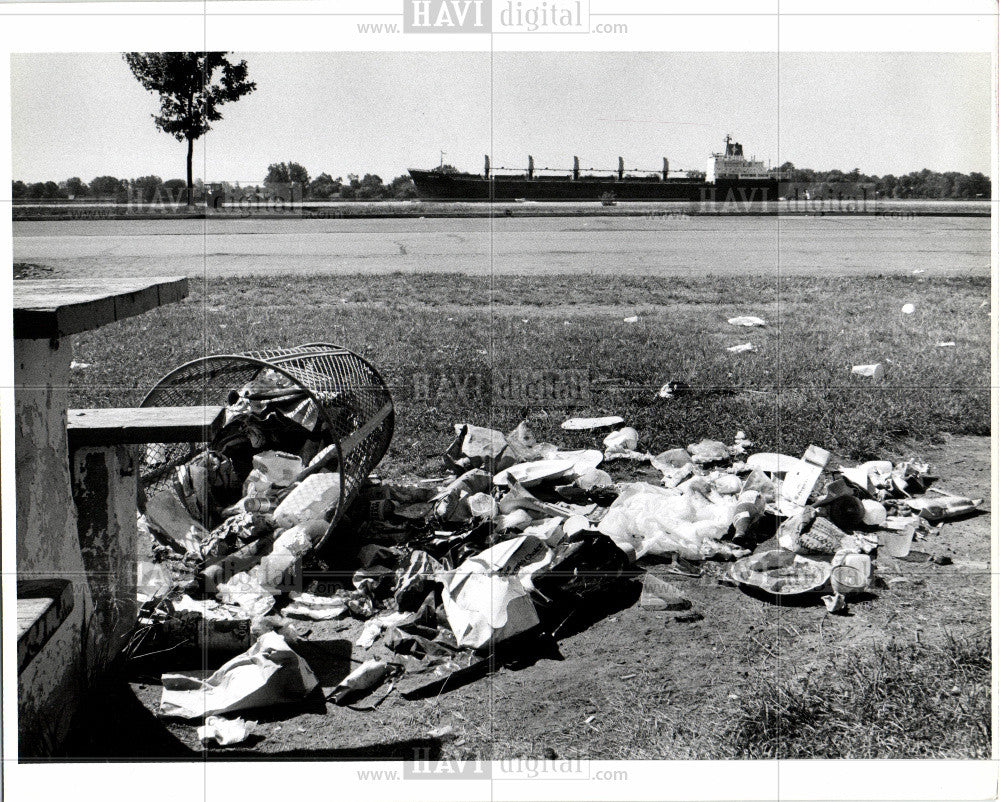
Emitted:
<point x="265" y="210"/>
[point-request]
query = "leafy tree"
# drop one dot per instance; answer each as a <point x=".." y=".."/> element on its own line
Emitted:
<point x="980" y="185"/>
<point x="402" y="188"/>
<point x="190" y="93"/>
<point x="48" y="190"/>
<point x="370" y="188"/>
<point x="290" y="173"/>
<point x="324" y="187"/>
<point x="174" y="189"/>
<point x="277" y="174"/>
<point x="75" y="188"/>
<point x="298" y="174"/>
<point x="923" y="184"/>
<point x="445" y="168"/>
<point x="18" y="189"/>
<point x="107" y="186"/>
<point x="145" y="188"/>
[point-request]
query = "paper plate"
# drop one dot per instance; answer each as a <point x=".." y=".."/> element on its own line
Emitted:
<point x="583" y="460"/>
<point x="772" y="463"/>
<point x="579" y="424"/>
<point x="780" y="572"/>
<point x="532" y="473"/>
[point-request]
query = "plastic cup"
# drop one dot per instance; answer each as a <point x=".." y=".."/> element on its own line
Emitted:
<point x="898" y="543"/>
<point x="874" y="371"/>
<point x="847" y="579"/>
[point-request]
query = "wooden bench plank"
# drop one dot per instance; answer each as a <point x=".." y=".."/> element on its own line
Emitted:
<point x="135" y="425"/>
<point x="42" y="606"/>
<point x="52" y="308"/>
<point x="29" y="611"/>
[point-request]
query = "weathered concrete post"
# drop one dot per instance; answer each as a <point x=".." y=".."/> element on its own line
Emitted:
<point x="47" y="541"/>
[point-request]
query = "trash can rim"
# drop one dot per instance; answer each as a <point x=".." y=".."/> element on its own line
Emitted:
<point x="263" y="363"/>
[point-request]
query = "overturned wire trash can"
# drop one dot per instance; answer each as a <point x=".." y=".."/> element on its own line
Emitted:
<point x="319" y="402"/>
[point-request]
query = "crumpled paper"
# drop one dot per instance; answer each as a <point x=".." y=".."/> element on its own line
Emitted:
<point x="246" y="592"/>
<point x="366" y="676"/>
<point x="269" y="673"/>
<point x="374" y="627"/>
<point x="483" y="605"/>
<point x="747" y="320"/>
<point x="226" y="732"/>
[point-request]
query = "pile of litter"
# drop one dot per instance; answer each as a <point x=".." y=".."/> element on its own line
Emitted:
<point x="520" y="542"/>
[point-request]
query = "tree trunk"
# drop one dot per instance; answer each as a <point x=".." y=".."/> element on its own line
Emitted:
<point x="190" y="175"/>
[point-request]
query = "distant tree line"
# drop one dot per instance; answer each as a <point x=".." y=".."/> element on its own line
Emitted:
<point x="147" y="189"/>
<point x="370" y="187"/>
<point x="152" y="189"/>
<point x="326" y="187"/>
<point x="855" y="184"/>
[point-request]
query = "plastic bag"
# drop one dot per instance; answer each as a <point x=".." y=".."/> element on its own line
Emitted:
<point x="655" y="520"/>
<point x="310" y="499"/>
<point x="269" y="673"/>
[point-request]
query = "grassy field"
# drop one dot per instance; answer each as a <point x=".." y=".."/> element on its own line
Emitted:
<point x="750" y="680"/>
<point x="445" y="343"/>
<point x="929" y="702"/>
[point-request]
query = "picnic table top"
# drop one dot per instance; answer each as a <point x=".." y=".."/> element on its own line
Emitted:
<point x="116" y="426"/>
<point x="52" y="308"/>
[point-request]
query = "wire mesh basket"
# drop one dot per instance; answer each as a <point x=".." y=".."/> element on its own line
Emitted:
<point x="319" y="401"/>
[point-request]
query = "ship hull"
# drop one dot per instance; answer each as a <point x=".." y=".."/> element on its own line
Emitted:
<point x="438" y="186"/>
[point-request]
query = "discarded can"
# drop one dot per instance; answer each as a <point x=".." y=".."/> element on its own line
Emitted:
<point x="258" y="504"/>
<point x="875" y="371"/>
<point x="749" y="507"/>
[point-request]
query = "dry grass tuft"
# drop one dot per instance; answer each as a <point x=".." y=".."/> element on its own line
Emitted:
<point x="900" y="701"/>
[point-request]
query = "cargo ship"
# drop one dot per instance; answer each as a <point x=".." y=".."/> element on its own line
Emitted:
<point x="730" y="177"/>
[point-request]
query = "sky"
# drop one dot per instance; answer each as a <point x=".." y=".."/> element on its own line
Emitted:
<point x="340" y="113"/>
